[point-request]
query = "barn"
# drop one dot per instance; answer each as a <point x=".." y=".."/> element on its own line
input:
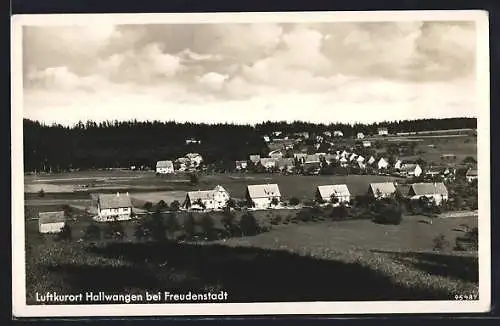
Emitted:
<point x="51" y="222"/>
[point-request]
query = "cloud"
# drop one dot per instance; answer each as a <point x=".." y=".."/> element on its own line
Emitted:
<point x="343" y="67"/>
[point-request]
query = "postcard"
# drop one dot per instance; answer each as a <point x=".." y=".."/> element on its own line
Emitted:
<point x="250" y="163"/>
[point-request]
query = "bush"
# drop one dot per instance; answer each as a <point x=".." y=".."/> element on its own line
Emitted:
<point x="440" y="243"/>
<point x="114" y="230"/>
<point x="207" y="226"/>
<point x="249" y="225"/>
<point x="339" y="212"/>
<point x="189" y="226"/>
<point x="305" y="215"/>
<point x="194" y="179"/>
<point x="65" y="234"/>
<point x="275" y="201"/>
<point x="294" y="201"/>
<point x="92" y="232"/>
<point x="387" y="211"/>
<point x="175" y="205"/>
<point x="41" y="193"/>
<point x="148" y="205"/>
<point x="228" y="221"/>
<point x="162" y="205"/>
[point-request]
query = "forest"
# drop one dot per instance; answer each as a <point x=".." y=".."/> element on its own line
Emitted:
<point x="115" y="144"/>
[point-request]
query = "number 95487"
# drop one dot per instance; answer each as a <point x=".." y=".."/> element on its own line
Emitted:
<point x="466" y="297"/>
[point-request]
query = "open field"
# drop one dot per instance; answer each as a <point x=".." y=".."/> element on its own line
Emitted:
<point x="345" y="260"/>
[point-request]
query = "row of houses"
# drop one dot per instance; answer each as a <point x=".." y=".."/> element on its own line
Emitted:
<point x="118" y="206"/>
<point x="188" y="161"/>
<point x="278" y="135"/>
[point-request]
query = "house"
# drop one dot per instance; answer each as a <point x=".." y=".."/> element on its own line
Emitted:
<point x="383" y="131"/>
<point x="340" y="192"/>
<point x="277" y="133"/>
<point x="433" y="191"/>
<point x="344" y="153"/>
<point x="371" y="160"/>
<point x="192" y="141"/>
<point x="164" y="167"/>
<point x="276" y="154"/>
<point x="285" y="164"/>
<point x="182" y="163"/>
<point x="448" y="157"/>
<point x="338" y="133"/>
<point x="313" y="158"/>
<point x="194" y="158"/>
<point x="262" y="196"/>
<point x="382" y="163"/>
<point x="434" y="171"/>
<point x="398" y="164"/>
<point x="268" y="162"/>
<point x="367" y="143"/>
<point x="360" y="159"/>
<point x="215" y="199"/>
<point x="311" y="168"/>
<point x="411" y="170"/>
<point x="304" y="134"/>
<point x="241" y="165"/>
<point x="361" y="165"/>
<point x="471" y="175"/>
<point x="343" y="162"/>
<point x="327" y="134"/>
<point x="51" y="222"/>
<point x="353" y="157"/>
<point x="266" y="138"/>
<point x="112" y="207"/>
<point x="381" y="189"/>
<point x="255" y="158"/>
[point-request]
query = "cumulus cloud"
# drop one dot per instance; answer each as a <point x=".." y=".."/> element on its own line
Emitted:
<point x="270" y="67"/>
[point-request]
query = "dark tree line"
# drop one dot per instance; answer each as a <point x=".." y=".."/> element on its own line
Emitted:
<point x="121" y="144"/>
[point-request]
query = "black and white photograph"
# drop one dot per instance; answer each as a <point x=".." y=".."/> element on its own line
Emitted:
<point x="250" y="163"/>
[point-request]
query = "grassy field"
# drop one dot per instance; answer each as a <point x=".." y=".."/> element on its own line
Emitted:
<point x="300" y="261"/>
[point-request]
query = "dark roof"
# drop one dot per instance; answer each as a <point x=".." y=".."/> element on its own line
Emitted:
<point x="429" y="188"/>
<point x="114" y="201"/>
<point x="51" y="217"/>
<point x="472" y="172"/>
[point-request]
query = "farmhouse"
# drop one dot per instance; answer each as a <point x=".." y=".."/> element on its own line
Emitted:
<point x="436" y="192"/>
<point x="339" y="193"/>
<point x="411" y="170"/>
<point x="360" y="135"/>
<point x="194" y="158"/>
<point x="241" y="165"/>
<point x="381" y="189"/>
<point x="261" y="196"/>
<point x="371" y="160"/>
<point x="398" y="164"/>
<point x="51" y="222"/>
<point x="383" y="131"/>
<point x="338" y="133"/>
<point x="164" y="167"/>
<point x="214" y="199"/>
<point x="382" y="164"/>
<point x="113" y="206"/>
<point x="471" y="175"/>
<point x="255" y="158"/>
<point x="367" y="143"/>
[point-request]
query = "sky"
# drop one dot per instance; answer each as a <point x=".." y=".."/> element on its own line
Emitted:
<point x="248" y="73"/>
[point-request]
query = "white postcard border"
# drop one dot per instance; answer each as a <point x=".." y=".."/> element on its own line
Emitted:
<point x="20" y="309"/>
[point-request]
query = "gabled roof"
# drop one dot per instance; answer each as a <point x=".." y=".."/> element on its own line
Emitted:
<point x="265" y="160"/>
<point x="205" y="194"/>
<point x="409" y="167"/>
<point x="263" y="191"/>
<point x="282" y="162"/>
<point x="51" y="217"/>
<point x="192" y="155"/>
<point x="429" y="188"/>
<point x="114" y="201"/>
<point x="328" y="190"/>
<point x="385" y="188"/>
<point x="164" y="164"/>
<point x="312" y="158"/>
<point x="472" y="172"/>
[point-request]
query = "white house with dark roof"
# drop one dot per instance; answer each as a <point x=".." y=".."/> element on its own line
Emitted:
<point x="360" y="135"/>
<point x="338" y="133"/>
<point x="382" y="163"/>
<point x="410" y="170"/>
<point x="262" y="195"/>
<point x="113" y="207"/>
<point x="164" y="167"/>
<point x="436" y="191"/>
<point x="340" y="192"/>
<point x="383" y="131"/>
<point x="367" y="143"/>
<point x="51" y="222"/>
<point x="268" y="162"/>
<point x="255" y="158"/>
<point x="214" y="199"/>
<point x="379" y="190"/>
<point x="371" y="160"/>
<point x="241" y="165"/>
